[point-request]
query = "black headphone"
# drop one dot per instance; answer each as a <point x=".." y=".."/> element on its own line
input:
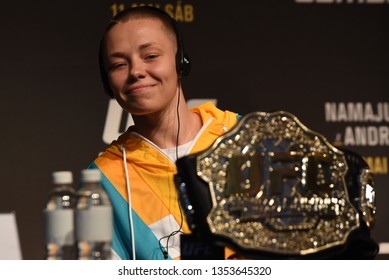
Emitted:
<point x="182" y="60"/>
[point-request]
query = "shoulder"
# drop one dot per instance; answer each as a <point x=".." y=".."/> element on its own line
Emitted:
<point x="209" y="110"/>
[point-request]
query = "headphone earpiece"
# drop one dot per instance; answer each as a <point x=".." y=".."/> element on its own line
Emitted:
<point x="182" y="58"/>
<point x="183" y="65"/>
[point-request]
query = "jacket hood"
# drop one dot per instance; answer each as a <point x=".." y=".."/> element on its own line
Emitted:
<point x="138" y="149"/>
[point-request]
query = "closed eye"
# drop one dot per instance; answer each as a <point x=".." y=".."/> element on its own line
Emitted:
<point x="151" y="57"/>
<point x="117" y="66"/>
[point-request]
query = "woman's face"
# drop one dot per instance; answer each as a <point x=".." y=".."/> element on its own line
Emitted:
<point x="141" y="66"/>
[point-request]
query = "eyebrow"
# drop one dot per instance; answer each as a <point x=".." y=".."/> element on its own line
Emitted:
<point x="141" y="47"/>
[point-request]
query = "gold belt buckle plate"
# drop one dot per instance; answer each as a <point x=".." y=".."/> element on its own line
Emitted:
<point x="277" y="186"/>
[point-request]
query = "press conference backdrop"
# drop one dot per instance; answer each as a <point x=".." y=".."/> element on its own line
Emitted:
<point x="325" y="61"/>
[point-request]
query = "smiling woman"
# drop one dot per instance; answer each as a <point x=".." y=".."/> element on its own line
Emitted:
<point x="142" y="62"/>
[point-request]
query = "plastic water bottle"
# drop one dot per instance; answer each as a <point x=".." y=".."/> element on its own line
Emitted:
<point x="59" y="218"/>
<point x="94" y="218"/>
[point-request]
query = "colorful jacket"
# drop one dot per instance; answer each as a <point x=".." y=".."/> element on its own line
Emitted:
<point x="155" y="210"/>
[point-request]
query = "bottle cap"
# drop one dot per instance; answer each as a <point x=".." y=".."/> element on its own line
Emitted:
<point x="90" y="175"/>
<point x="62" y="177"/>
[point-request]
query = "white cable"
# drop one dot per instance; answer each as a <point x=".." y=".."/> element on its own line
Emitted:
<point x="129" y="203"/>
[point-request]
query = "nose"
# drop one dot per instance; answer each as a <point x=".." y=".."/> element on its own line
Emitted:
<point x="136" y="71"/>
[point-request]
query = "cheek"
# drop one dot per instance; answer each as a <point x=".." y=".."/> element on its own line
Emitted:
<point x="117" y="80"/>
<point x="167" y="75"/>
<point x="165" y="70"/>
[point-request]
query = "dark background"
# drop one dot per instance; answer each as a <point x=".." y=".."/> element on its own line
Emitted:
<point x="247" y="55"/>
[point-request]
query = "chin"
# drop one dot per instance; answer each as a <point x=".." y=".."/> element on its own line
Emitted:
<point x="140" y="111"/>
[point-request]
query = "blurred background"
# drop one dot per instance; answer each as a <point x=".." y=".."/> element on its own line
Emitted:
<point x="327" y="62"/>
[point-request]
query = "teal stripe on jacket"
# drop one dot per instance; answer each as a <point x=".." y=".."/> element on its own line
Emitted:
<point x="146" y="243"/>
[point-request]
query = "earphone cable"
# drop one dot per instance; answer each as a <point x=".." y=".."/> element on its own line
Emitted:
<point x="166" y="252"/>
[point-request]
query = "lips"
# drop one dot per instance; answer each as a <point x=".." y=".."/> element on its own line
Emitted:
<point x="138" y="89"/>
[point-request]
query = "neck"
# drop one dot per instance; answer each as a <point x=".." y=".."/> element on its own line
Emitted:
<point x="162" y="127"/>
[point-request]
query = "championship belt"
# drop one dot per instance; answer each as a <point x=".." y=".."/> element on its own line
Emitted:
<point x="272" y="188"/>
